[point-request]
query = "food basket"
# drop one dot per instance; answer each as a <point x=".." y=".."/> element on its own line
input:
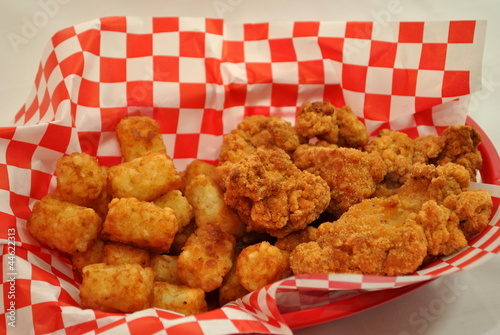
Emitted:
<point x="198" y="78"/>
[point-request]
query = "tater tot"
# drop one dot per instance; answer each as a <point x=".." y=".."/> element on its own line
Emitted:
<point x="144" y="178"/>
<point x="261" y="264"/>
<point x="181" y="238"/>
<point x="179" y="298"/>
<point x="141" y="224"/>
<point x="138" y="135"/>
<point x="62" y="225"/>
<point x="93" y="255"/>
<point x="165" y="268"/>
<point x="207" y="199"/>
<point x="231" y="289"/>
<point x="125" y="288"/>
<point x="198" y="167"/>
<point x="206" y="257"/>
<point x="118" y="253"/>
<point x="80" y="178"/>
<point x="180" y="204"/>
<point x="292" y="240"/>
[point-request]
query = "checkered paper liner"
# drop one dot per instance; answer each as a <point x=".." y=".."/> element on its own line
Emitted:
<point x="198" y="78"/>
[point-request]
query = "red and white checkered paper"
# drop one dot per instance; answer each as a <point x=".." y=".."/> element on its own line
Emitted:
<point x="198" y="78"/>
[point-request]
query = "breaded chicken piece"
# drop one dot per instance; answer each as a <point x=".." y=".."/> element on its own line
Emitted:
<point x="461" y="147"/>
<point x="179" y="298"/>
<point x="324" y="121"/>
<point x="272" y="195"/>
<point x="138" y="135"/>
<point x="374" y="237"/>
<point x="261" y="264"/>
<point x="351" y="174"/>
<point x="206" y="257"/>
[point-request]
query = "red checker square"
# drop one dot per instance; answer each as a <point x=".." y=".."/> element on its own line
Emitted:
<point x="235" y="95"/>
<point x="311" y="72"/>
<point x="192" y="328"/>
<point x="258" y="73"/>
<point x="7" y="132"/>
<point x="40" y="182"/>
<point x="19" y="154"/>
<point x="192" y="44"/>
<point x="250" y="326"/>
<point x="56" y="137"/>
<point x="32" y="109"/>
<point x="212" y="122"/>
<point x="331" y="47"/>
<point x="47" y="317"/>
<point x="112" y="70"/>
<point x="362" y="30"/>
<point x="89" y="93"/>
<point x="72" y="65"/>
<point x="282" y="50"/>
<point x="50" y="63"/>
<point x="140" y="93"/>
<point x="167" y="118"/>
<point x="382" y="54"/>
<point x="305" y="28"/>
<point x="212" y="71"/>
<point x="4" y="177"/>
<point x="456" y="83"/>
<point x="139" y="45"/>
<point x="433" y="56"/>
<point x="59" y="95"/>
<point x="62" y="35"/>
<point x="89" y="141"/>
<point x="404" y="82"/>
<point x="233" y="52"/>
<point x="111" y="116"/>
<point x="165" y="24"/>
<point x="114" y="23"/>
<point x="186" y="145"/>
<point x="22" y="294"/>
<point x="20" y="206"/>
<point x="192" y="95"/>
<point x="334" y="94"/>
<point x="147" y="324"/>
<point x="354" y="77"/>
<point x="44" y="104"/>
<point x="255" y="31"/>
<point x="166" y="68"/>
<point x="284" y="95"/>
<point x="461" y="31"/>
<point x="424" y="103"/>
<point x="423" y="117"/>
<point x="90" y="41"/>
<point x="257" y="110"/>
<point x="214" y="26"/>
<point x="411" y="32"/>
<point x="377" y="107"/>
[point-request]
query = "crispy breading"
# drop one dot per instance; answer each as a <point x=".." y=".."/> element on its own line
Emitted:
<point x="291" y="241"/>
<point x="144" y="178"/>
<point x="206" y="257"/>
<point x="94" y="254"/>
<point x="80" y="178"/>
<point x="179" y="203"/>
<point x="261" y="264"/>
<point x="125" y="288"/>
<point x="165" y="268"/>
<point x="63" y="225"/>
<point x="138" y="135"/>
<point x="141" y="224"/>
<point x="116" y="253"/>
<point x="272" y="195"/>
<point x="351" y="174"/>
<point x="179" y="298"/>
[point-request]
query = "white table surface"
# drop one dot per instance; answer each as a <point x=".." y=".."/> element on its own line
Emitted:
<point x="463" y="303"/>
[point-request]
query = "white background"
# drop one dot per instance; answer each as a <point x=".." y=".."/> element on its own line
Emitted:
<point x="464" y="303"/>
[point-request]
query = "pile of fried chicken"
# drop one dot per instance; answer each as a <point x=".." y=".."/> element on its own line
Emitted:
<point x="337" y="201"/>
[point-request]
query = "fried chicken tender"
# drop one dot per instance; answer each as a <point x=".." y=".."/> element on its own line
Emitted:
<point x="324" y="121"/>
<point x="272" y="195"/>
<point x="461" y="147"/>
<point x="138" y="135"/>
<point x="351" y="174"/>
<point x="179" y="298"/>
<point x="261" y="264"/>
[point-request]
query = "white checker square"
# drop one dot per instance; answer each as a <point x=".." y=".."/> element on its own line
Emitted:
<point x="72" y="315"/>
<point x="356" y="51"/>
<point x="280" y="29"/>
<point x="45" y="160"/>
<point x="213" y="46"/>
<point x="112" y="94"/>
<point x="429" y="83"/>
<point x="166" y="44"/>
<point x="450" y="113"/>
<point x="234" y="32"/>
<point x="385" y="31"/>
<point x="257" y="51"/>
<point x="215" y="95"/>
<point x="192" y="24"/>
<point x="408" y="55"/>
<point x="139" y="68"/>
<point x="32" y="134"/>
<point x="355" y="100"/>
<point x="166" y="94"/>
<point x="73" y="85"/>
<point x="285" y="72"/>
<point x="87" y="118"/>
<point x="379" y="80"/>
<point x="54" y="80"/>
<point x="233" y="73"/>
<point x="108" y="145"/>
<point x="332" y="71"/>
<point x="209" y="147"/>
<point x="139" y="25"/>
<point x="67" y="47"/>
<point x="436" y="32"/>
<point x="190" y="121"/>
<point x="307" y="48"/>
<point x="113" y="44"/>
<point x="207" y="326"/>
<point x="5" y="207"/>
<point x="311" y="92"/>
<point x="26" y="315"/>
<point x="401" y="105"/>
<point x="332" y="29"/>
<point x="91" y="70"/>
<point x="231" y="117"/>
<point x="403" y="122"/>
<point x="192" y="70"/>
<point x="258" y="95"/>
